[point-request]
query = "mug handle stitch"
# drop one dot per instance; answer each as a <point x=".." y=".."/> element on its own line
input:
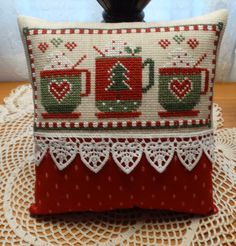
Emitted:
<point x="149" y="62"/>
<point x="88" y="82"/>
<point x="206" y="85"/>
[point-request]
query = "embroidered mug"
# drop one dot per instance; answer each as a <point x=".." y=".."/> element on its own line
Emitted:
<point x="180" y="88"/>
<point x="119" y="85"/>
<point x="61" y="91"/>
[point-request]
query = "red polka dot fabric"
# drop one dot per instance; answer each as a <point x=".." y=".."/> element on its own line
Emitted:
<point x="78" y="189"/>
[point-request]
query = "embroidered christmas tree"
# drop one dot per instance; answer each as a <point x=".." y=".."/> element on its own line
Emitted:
<point x="118" y="77"/>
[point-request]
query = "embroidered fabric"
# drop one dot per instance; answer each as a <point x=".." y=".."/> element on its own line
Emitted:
<point x="126" y="153"/>
<point x="126" y="227"/>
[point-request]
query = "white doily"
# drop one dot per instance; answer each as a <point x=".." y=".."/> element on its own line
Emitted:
<point x="127" y="227"/>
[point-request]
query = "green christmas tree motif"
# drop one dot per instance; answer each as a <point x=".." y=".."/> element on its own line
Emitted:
<point x="118" y="77"/>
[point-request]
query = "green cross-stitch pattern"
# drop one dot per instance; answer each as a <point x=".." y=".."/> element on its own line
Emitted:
<point x="170" y="102"/>
<point x="69" y="102"/>
<point x="56" y="41"/>
<point x="118" y="77"/>
<point x="179" y="38"/>
<point x="118" y="105"/>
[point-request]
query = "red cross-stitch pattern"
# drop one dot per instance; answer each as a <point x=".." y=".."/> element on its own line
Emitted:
<point x="43" y="46"/>
<point x="164" y="43"/>
<point x="180" y="88"/>
<point x="60" y="90"/>
<point x="70" y="45"/>
<point x="193" y="43"/>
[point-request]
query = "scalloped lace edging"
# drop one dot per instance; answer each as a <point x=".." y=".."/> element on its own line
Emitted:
<point x="126" y="152"/>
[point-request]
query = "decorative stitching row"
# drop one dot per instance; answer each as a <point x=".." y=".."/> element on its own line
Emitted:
<point x="198" y="27"/>
<point x="126" y="152"/>
<point x="121" y="124"/>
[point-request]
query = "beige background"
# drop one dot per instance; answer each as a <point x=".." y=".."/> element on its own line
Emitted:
<point x="150" y="49"/>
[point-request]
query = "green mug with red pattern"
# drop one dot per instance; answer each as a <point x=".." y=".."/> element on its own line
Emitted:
<point x="61" y="91"/>
<point x="180" y="89"/>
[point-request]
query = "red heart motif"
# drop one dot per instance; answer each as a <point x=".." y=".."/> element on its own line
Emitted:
<point x="180" y="88"/>
<point x="60" y="90"/>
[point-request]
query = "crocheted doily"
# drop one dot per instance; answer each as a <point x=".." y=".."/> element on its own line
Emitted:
<point x="126" y="227"/>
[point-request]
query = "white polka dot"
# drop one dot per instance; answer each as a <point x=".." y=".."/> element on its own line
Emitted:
<point x="121" y="188"/>
<point x="174" y="196"/>
<point x="175" y="178"/>
<point x="76" y="168"/>
<point x="76" y="187"/>
<point x="143" y="169"/>
<point x="109" y="178"/>
<point x="56" y="186"/>
<point x="66" y="177"/>
<point x="46" y="175"/>
<point x="203" y="185"/>
<point x="162" y="203"/>
<point x="58" y="204"/>
<point x="153" y="196"/>
<point x="87" y="178"/>
<point x="183" y="204"/>
<point x="141" y="203"/>
<point x="47" y="194"/>
<point x="185" y="187"/>
<point x="100" y="204"/>
<point x="88" y="196"/>
<point x="164" y="187"/>
<point x="202" y="203"/>
<point x="67" y="196"/>
<point x="78" y="204"/>
<point x="121" y="203"/>
<point x="194" y="195"/>
<point x="110" y="196"/>
<point x="204" y="165"/>
<point x="39" y="202"/>
<point x="142" y="187"/>
<point x="49" y="211"/>
<point x="98" y="187"/>
<point x="195" y="177"/>
<point x="131" y="178"/>
<point x="39" y="182"/>
<point x="153" y="178"/>
<point x="131" y="197"/>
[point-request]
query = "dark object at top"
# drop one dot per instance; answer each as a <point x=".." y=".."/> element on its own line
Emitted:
<point x="123" y="10"/>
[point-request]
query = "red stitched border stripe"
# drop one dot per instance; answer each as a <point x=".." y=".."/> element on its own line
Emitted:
<point x="211" y="27"/>
<point x="121" y="124"/>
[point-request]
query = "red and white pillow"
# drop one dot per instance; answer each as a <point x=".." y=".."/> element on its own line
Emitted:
<point x="123" y="114"/>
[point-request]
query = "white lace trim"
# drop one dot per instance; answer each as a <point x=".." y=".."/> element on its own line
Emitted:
<point x="126" y="152"/>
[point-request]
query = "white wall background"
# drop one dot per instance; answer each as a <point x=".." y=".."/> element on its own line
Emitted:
<point x="12" y="60"/>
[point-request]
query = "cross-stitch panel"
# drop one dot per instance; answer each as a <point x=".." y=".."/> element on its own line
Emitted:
<point x="123" y="78"/>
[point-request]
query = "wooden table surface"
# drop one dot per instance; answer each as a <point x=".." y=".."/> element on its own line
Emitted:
<point x="225" y="96"/>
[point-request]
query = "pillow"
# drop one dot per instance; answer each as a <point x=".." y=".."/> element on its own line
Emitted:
<point x="123" y="114"/>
